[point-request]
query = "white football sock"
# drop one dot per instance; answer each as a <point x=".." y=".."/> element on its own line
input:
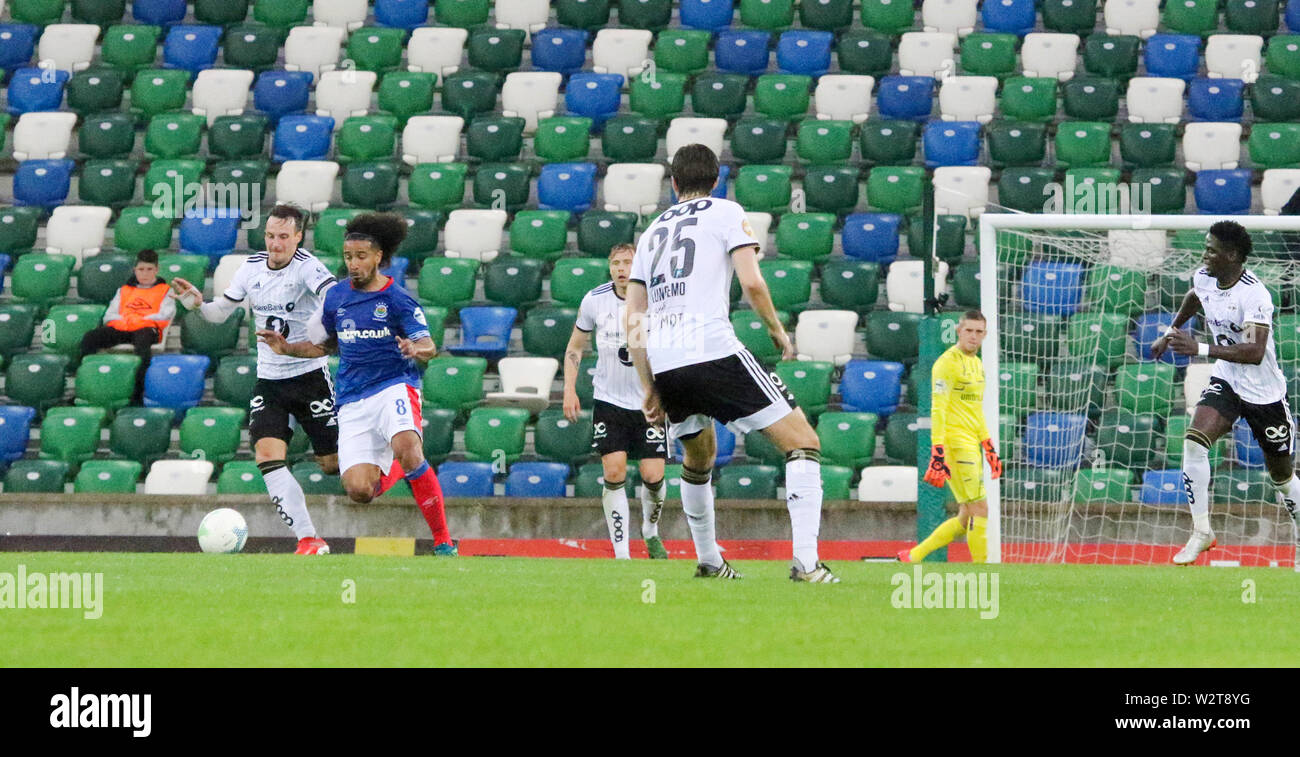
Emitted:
<point x="803" y="498"/>
<point x="290" y="502"/>
<point x="1196" y="479"/>
<point x="697" y="502"/>
<point x="616" y="519"/>
<point x="652" y="506"/>
<point x="1288" y="493"/>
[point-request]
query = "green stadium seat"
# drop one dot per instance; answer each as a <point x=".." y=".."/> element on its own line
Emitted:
<point x="752" y="333"/>
<point x="1082" y="144"/>
<point x="1028" y="99"/>
<point x="835" y="482"/>
<point x="1092" y="202"/>
<point x="831" y="189"/>
<point x="582" y="14"/>
<point x="682" y="51"/>
<point x="254" y="47"/>
<point x="764" y="188"/>
<point x="438" y="186"/>
<point x="495" y="50"/>
<point x="436" y="317"/>
<point x="241" y="477"/>
<point x="784" y="96"/>
<point x="1104" y="486"/>
<point x="165" y="173"/>
<point x="65" y="325"/>
<point x="888" y="142"/>
<point x="1287" y="337"/>
<point x="630" y="139"/>
<point x="137" y="228"/>
<point x="37" y="12"/>
<point x="1283" y="56"/>
<point x="495" y="434"/>
<point x="211" y="433"/>
<point x="1036" y="485"/>
<point x="1115" y="289"/>
<point x="719" y="95"/>
<point x="406" y="93"/>
<point x="36" y="477"/>
<point x="1175" y="432"/>
<point x="888" y="17"/>
<point x="1091" y="98"/>
<point x="216" y="340"/>
<point x="192" y="268"/>
<point x="1127" y="439"/>
<point x="585" y="387"/>
<point x="238" y="137"/>
<point x="1251" y="16"/>
<point x="790" y="282"/>
<point x="864" y="52"/>
<point x="1018" y="387"/>
<point x="1145" y="388"/>
<point x="71" y="434"/>
<point x="893" y="336"/>
<point x="1024" y="189"/>
<point x="1070" y="16"/>
<point x="806" y="236"/>
<point x="546" y="330"/>
<point x="1076" y="385"/>
<point x="495" y="138"/>
<point x="466" y="14"/>
<point x="18" y="227"/>
<point x="41" y="279"/>
<point x="371" y="137"/>
<point x="1273" y="98"/>
<point x="454" y="383"/>
<point x="158" y="90"/>
<point x="564" y="139"/>
<point x="308" y="473"/>
<point x="850" y="284"/>
<point x="759" y="140"/>
<point x="540" y="234"/>
<point x="988" y="55"/>
<point x="107" y="477"/>
<point x="572" y="278"/>
<point x="831" y="15"/>
<point x="1102" y="334"/>
<point x="95" y="90"/>
<point x="1031" y="337"/>
<point x="767" y="14"/>
<point x="660" y="97"/>
<point x="469" y="93"/>
<point x="421" y="234"/>
<point x="374" y="48"/>
<point x="370" y="184"/>
<point x="900" y="438"/>
<point x="600" y="230"/>
<point x="810" y="383"/>
<point x="107" y="182"/>
<point x="966" y="285"/>
<point x="220" y="12"/>
<point x="448" y="282"/>
<point x="747" y="482"/>
<point x="1274" y="145"/>
<point x="949" y="237"/>
<point x="438" y="431"/>
<point x="330" y="228"/>
<point x="1168" y="190"/>
<point x="1242" y="487"/>
<point x="141" y="433"/>
<point x="1114" y="56"/>
<point x="1191" y="17"/>
<point x="174" y="135"/>
<point x="129" y="48"/>
<point x="1017" y="143"/>
<point x="98" y="12"/>
<point x="102" y="276"/>
<point x="1146" y="145"/>
<point x="847" y="439"/>
<point x="235" y="379"/>
<point x="513" y="280"/>
<point x="107" y="380"/>
<point x="564" y="441"/>
<point x="895" y="189"/>
<point x="17" y="327"/>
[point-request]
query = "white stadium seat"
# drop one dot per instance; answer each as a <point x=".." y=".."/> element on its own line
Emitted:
<point x="70" y="47"/>
<point x="1135" y="248"/>
<point x="844" y="97"/>
<point x="621" y="51"/>
<point x="1211" y="145"/>
<point x="225" y="273"/>
<point x="77" y="230"/>
<point x="633" y="187"/>
<point x="309" y="184"/>
<point x="961" y="190"/>
<point x="1155" y="99"/>
<point x="684" y="131"/>
<point x="436" y="50"/>
<point x="926" y="53"/>
<point x="343" y="14"/>
<point x="1198" y="377"/>
<point x="525" y="383"/>
<point x="903" y="285"/>
<point x="1278" y="186"/>
<point x="968" y="98"/>
<point x="952" y="16"/>
<point x="431" y="139"/>
<point x="1051" y="55"/>
<point x="189" y="477"/>
<point x="314" y="49"/>
<point x="826" y="335"/>
<point x="1233" y="56"/>
<point x="1135" y="17"/>
<point x="342" y="94"/>
<point x="888" y="483"/>
<point x="760" y="223"/>
<point x="43" y="135"/>
<point x="530" y="95"/>
<point x="474" y="233"/>
<point x="528" y="15"/>
<point x="221" y="92"/>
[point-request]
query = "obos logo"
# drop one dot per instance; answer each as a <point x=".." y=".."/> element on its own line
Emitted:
<point x="599" y="429"/>
<point x="255" y="403"/>
<point x="381" y="311"/>
<point x="654" y="434"/>
<point x="1278" y="433"/>
<point x="322" y="407"/>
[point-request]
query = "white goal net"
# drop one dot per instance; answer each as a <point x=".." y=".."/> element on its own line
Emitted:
<point x="1091" y="428"/>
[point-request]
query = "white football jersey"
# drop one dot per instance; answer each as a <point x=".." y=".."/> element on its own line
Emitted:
<point x="684" y="260"/>
<point x="282" y="300"/>
<point x="616" y="381"/>
<point x="1227" y="311"/>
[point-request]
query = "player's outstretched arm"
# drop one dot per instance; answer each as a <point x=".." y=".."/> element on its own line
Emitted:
<point x="578" y="342"/>
<point x="422" y="349"/>
<point x="1190" y="307"/>
<point x="745" y="261"/>
<point x="1250" y="351"/>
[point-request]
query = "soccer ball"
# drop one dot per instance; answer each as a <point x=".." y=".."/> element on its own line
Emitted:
<point x="223" y="531"/>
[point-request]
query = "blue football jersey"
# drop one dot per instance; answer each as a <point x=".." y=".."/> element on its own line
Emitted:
<point x="367" y="325"/>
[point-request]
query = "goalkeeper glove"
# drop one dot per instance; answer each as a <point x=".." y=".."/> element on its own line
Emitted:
<point x="990" y="454"/>
<point x="938" y="471"/>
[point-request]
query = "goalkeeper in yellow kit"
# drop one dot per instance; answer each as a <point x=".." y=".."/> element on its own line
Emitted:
<point x="959" y="437"/>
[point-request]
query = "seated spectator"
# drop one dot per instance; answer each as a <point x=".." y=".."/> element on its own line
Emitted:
<point x="138" y="316"/>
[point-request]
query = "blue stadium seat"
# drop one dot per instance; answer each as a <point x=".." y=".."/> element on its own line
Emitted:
<point x="871" y="386"/>
<point x="558" y="49"/>
<point x="1008" y="16"/>
<point x="1244" y="447"/>
<point x="158" y="12"/>
<point x="17" y="45"/>
<point x="15" y="428"/>
<point x="213" y="233"/>
<point x="1163" y="487"/>
<point x="5" y="263"/>
<point x="43" y="182"/>
<point x="905" y="97"/>
<point x="175" y="381"/>
<point x="302" y="137"/>
<point x="1054" y="440"/>
<point x="396" y="270"/>
<point x="1173" y="55"/>
<point x="595" y="96"/>
<point x="1292" y="15"/>
<point x="1052" y="288"/>
<point x="31" y="89"/>
<point x="485" y="332"/>
<point x="192" y="48"/>
<point x="279" y="93"/>
<point x="744" y="51"/>
<point x="726" y="445"/>
<point x="537" y="480"/>
<point x="871" y="236"/>
<point x="720" y="191"/>
<point x="466" y="479"/>
<point x="1215" y="99"/>
<point x="1223" y="192"/>
<point x="402" y="14"/>
<point x="711" y="15"/>
<point x="567" y="186"/>
<point x="951" y="143"/>
<point x="804" y="52"/>
<point x="1149" y="327"/>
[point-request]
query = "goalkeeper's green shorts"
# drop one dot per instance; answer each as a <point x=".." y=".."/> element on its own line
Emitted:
<point x="966" y="462"/>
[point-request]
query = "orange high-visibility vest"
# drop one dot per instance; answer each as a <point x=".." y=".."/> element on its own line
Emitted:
<point x="134" y="303"/>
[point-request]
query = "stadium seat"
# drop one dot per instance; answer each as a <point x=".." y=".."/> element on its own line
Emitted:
<point x="890" y="336"/>
<point x="1009" y="16"/>
<point x="583" y="14"/>
<point x="448" y="282"/>
<point x="1083" y="144"/>
<point x="1223" y="192"/>
<point x="68" y="47"/>
<point x="599" y="231"/>
<point x="1016" y="143"/>
<point x="1049" y="55"/>
<point x="43" y="136"/>
<point x="313" y="480"/>
<point x="280" y="93"/>
<point x="406" y="94"/>
<point x="903" y="287"/>
<point x="765" y="188"/>
<point x="191" y="48"/>
<point x="989" y="55"/>
<point x="100" y="279"/>
<point x="221" y="92"/>
<point x="747" y="482"/>
<point x="594" y="96"/>
<point x="19" y="44"/>
<point x="178" y="477"/>
<point x="128" y="48"/>
<point x="1091" y="98"/>
<point x="107" y="477"/>
<point x="850" y="284"/>
<point x="1211" y="146"/>
<point x="76" y="230"/>
<point x="65" y="325"/>
<point x="306" y="183"/>
<point x="782" y="96"/>
<point x="1145" y="387"/>
<point x="431" y="139"/>
<point x="302" y="137"/>
<point x="241" y="477"/>
<point x="495" y="434"/>
<point x="871" y="386"/>
<point x="952" y="16"/>
<point x="370" y="185"/>
<point x="454" y="383"/>
<point x="15" y="429"/>
<point x="1051" y="287"/>
<point x="742" y="51"/>
<point x="950" y="143"/>
<point x="563" y="138"/>
<point x="1070" y="16"/>
<point x="501" y="186"/>
<point x="158" y="90"/>
<point x="94" y="92"/>
<point x="1132" y="17"/>
<point x="191" y="267"/>
<point x="1029" y="99"/>
<point x="1274" y="145"/>
<point x="42" y="183"/>
<point x="1104" y="486"/>
<point x="174" y="135"/>
<point x="438" y="186"/>
<point x="830" y="188"/>
<point x="512" y="280"/>
<point x="847" y="438"/>
<point x="1054" y="440"/>
<point x="806" y="236"/>
<point x="633" y="187"/>
<point x="537" y="480"/>
<point x="968" y="98"/>
<point x="1192" y="17"/>
<point x="374" y="50"/>
<point x="348" y="15"/>
<point x="474" y="233"/>
<point x="235" y="378"/>
<point x="109" y="183"/>
<point x="905" y="97"/>
<point x="752" y="333"/>
<point x="1234" y="56"/>
<point x="566" y="186"/>
<point x="1251" y="16"/>
<point x="630" y="139"/>
<point x="558" y="50"/>
<point x="661" y="97"/>
<point x="175" y="381"/>
<point x="539" y="234"/>
<point x="719" y="95"/>
<point x="546" y="330"/>
<point x="402" y="14"/>
<point x="494" y="139"/>
<point x="530" y="95"/>
<point x="789" y="281"/>
<point x="1111" y="56"/>
<point x="216" y="340"/>
<point x="485" y="331"/>
<point x="826" y="335"/>
<point x="313" y="49"/>
<point x="888" y="483"/>
<point x="1215" y="99"/>
<point x="160" y="12"/>
<point x="1018" y="387"/>
<point x="466" y="479"/>
<point x="809" y="382"/>
<point x="888" y="142"/>
<point x="1163" y="487"/>
<point x="900" y="438"/>
<point x="253" y="47"/>
<point x="436" y="50"/>
<point x="211" y="433"/>
<point x="1172" y="55"/>
<point x="41" y="279"/>
<point x="804" y="52"/>
<point x="1277" y="188"/>
<point x="36" y="477"/>
<point x="71" y="434"/>
<point x="895" y="189"/>
<point x="572" y="278"/>
<point x="927" y="54"/>
<point x="1147" y="145"/>
<point x="556" y="438"/>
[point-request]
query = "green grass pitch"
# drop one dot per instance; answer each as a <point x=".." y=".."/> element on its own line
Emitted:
<point x="283" y="610"/>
